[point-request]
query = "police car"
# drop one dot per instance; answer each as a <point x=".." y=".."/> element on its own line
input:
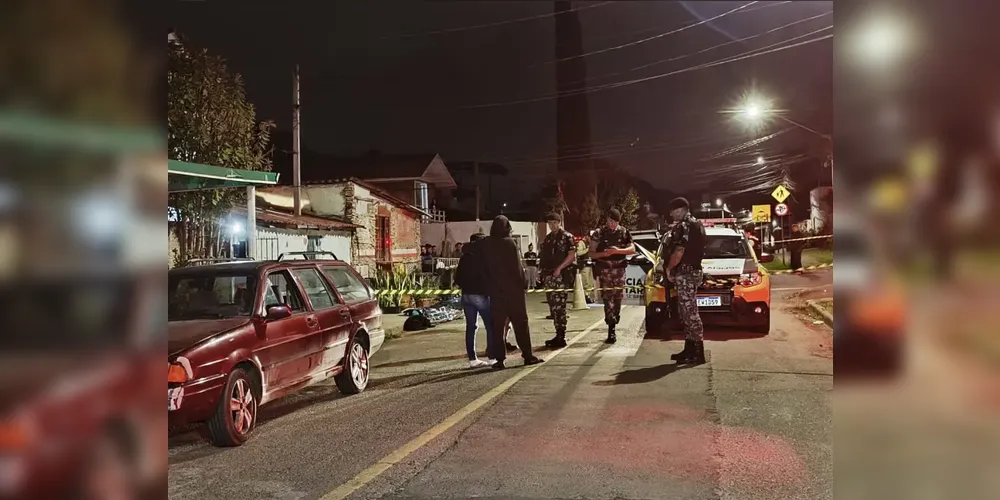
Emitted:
<point x="737" y="289"/>
<point x="640" y="265"/>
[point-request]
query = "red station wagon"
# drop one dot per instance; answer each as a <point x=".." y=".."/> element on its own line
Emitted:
<point x="242" y="334"/>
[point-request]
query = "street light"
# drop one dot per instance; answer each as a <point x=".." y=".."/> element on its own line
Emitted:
<point x="760" y="160"/>
<point x="718" y="202"/>
<point x="882" y="39"/>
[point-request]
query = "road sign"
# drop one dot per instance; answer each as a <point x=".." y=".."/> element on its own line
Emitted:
<point x="781" y="210"/>
<point x="761" y="213"/>
<point x="780" y="193"/>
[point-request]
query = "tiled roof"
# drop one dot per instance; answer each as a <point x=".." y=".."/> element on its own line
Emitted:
<point x="290" y="221"/>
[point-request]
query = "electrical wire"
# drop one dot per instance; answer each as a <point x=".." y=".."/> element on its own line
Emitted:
<point x="644" y="40"/>
<point x="599" y="88"/>
<point x="649" y="30"/>
<point x="493" y="24"/>
<point x="691" y="54"/>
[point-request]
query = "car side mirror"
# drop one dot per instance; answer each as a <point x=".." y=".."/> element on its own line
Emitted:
<point x="766" y="257"/>
<point x="278" y="312"/>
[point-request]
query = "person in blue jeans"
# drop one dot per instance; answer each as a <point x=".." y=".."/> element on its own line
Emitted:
<point x="470" y="277"/>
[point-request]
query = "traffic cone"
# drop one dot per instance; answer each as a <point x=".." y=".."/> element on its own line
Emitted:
<point x="579" y="296"/>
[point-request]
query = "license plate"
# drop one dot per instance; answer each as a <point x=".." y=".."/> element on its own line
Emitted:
<point x="713" y="301"/>
<point x="174" y="397"/>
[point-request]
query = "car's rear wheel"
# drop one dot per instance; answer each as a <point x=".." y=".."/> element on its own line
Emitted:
<point x="236" y="414"/>
<point x="354" y="378"/>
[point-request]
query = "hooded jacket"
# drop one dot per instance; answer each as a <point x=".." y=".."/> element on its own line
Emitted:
<point x="471" y="273"/>
<point x="504" y="273"/>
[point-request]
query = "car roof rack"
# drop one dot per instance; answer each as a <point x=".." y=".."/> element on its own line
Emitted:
<point x="220" y="260"/>
<point x="308" y="255"/>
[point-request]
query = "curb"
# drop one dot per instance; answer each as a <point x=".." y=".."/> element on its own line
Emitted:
<point x="827" y="317"/>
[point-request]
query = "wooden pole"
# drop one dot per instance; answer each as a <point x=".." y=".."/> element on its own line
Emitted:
<point x="475" y="175"/>
<point x="296" y="148"/>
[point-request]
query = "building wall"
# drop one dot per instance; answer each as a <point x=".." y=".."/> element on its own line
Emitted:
<point x="404" y="230"/>
<point x="446" y="234"/>
<point x="357" y="205"/>
<point x="272" y="242"/>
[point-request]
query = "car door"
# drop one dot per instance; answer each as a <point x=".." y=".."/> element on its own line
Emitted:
<point x="283" y="354"/>
<point x="360" y="299"/>
<point x="330" y="342"/>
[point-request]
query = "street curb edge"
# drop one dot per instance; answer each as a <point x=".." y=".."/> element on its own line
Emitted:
<point x="827" y="317"/>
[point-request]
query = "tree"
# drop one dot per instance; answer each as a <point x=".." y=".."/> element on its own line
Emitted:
<point x="590" y="212"/>
<point x="553" y="199"/>
<point x="209" y="121"/>
<point x="628" y="204"/>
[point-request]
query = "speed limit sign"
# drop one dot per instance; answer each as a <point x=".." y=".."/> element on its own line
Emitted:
<point x="781" y="210"/>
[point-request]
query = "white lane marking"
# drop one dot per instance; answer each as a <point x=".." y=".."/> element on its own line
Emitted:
<point x="368" y="475"/>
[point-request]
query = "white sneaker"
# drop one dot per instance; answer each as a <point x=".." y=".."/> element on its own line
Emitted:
<point x="491" y="361"/>
<point x="478" y="363"/>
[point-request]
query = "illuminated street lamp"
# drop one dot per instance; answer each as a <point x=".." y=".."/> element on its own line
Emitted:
<point x="754" y="114"/>
<point x="882" y="39"/>
<point x="760" y="160"/>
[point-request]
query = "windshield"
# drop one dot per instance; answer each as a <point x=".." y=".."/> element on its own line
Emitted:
<point x="726" y="247"/>
<point x="211" y="296"/>
<point x="650" y="244"/>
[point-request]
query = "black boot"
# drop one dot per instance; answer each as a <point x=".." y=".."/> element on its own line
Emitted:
<point x="558" y="341"/>
<point x="612" y="338"/>
<point x="685" y="352"/>
<point x="696" y="356"/>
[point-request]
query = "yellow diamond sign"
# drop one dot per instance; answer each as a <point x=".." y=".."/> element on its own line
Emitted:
<point x="780" y="193"/>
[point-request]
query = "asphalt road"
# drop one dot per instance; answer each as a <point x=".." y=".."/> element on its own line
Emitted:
<point x="593" y="422"/>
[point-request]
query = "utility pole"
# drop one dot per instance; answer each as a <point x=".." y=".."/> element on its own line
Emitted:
<point x="475" y="175"/>
<point x="296" y="147"/>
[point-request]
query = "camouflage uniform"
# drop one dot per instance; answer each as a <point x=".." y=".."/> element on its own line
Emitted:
<point x="611" y="271"/>
<point x="687" y="279"/>
<point x="555" y="247"/>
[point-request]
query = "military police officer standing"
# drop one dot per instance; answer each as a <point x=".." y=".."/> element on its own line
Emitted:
<point x="685" y="248"/>
<point x="609" y="251"/>
<point x="558" y="271"/>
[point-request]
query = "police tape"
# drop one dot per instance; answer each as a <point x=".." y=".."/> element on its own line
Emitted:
<point x="712" y="282"/>
<point x="804" y="239"/>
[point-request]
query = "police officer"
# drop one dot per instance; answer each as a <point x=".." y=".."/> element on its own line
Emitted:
<point x="558" y="271"/>
<point x="685" y="245"/>
<point x="609" y="251"/>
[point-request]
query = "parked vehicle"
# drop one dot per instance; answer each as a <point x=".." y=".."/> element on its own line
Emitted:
<point x="243" y="334"/>
<point x="737" y="291"/>
<point x="871" y="318"/>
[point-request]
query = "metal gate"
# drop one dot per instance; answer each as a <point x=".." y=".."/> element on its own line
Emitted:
<point x="267" y="248"/>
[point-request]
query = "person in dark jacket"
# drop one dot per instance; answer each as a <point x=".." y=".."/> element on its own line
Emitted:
<point x="470" y="277"/>
<point x="506" y="285"/>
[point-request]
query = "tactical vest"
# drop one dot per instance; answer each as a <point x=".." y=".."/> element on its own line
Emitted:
<point x="694" y="250"/>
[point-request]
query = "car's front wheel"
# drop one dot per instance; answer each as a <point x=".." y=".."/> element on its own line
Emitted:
<point x="656" y="316"/>
<point x="354" y="378"/>
<point x="236" y="414"/>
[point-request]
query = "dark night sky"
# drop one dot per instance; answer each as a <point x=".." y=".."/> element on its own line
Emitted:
<point x="364" y="86"/>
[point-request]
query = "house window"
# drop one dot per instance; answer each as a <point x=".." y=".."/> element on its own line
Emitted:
<point x="383" y="245"/>
<point x="422" y="196"/>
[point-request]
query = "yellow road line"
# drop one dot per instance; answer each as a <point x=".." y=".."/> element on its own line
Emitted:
<point x="368" y="475"/>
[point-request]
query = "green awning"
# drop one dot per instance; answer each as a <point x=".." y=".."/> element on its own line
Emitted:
<point x="184" y="176"/>
<point x="53" y="132"/>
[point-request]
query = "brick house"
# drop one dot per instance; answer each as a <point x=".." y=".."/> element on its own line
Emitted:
<point x="387" y="228"/>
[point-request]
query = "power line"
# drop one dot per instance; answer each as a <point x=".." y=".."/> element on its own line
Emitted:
<point x="493" y="24"/>
<point x="644" y="40"/>
<point x="702" y="51"/>
<point x="648" y="30"/>
<point x="598" y="88"/>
